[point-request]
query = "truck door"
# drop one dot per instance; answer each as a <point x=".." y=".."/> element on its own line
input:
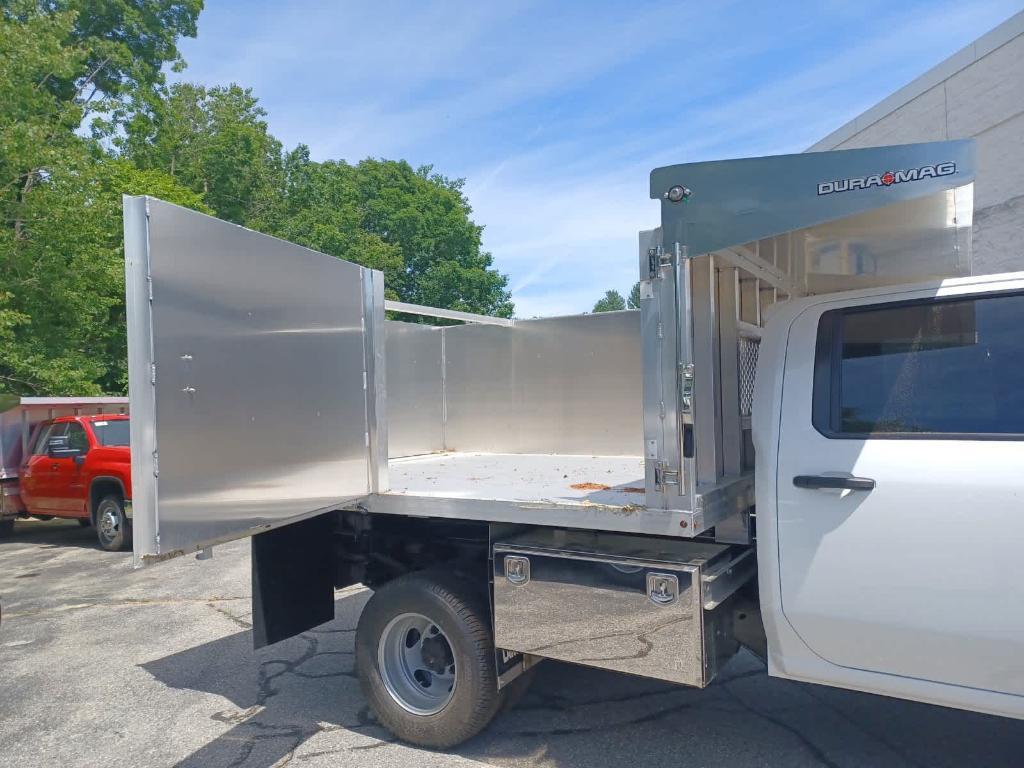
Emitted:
<point x="39" y="473"/>
<point x="247" y="378"/>
<point x="69" y="485"/>
<point x="899" y="485"/>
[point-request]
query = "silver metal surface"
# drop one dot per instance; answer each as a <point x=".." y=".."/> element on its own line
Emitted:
<point x="416" y="664"/>
<point x="752" y="232"/>
<point x="741" y="201"/>
<point x="448" y="314"/>
<point x="375" y="361"/>
<point x="415" y="371"/>
<point x="748" y="345"/>
<point x="138" y="288"/>
<point x="608" y="601"/>
<point x="569" y="385"/>
<point x="721" y="581"/>
<point x="270" y="336"/>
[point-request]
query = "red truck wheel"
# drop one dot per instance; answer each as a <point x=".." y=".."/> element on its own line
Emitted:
<point x="113" y="529"/>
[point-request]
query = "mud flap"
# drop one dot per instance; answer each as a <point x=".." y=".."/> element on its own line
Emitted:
<point x="292" y="579"/>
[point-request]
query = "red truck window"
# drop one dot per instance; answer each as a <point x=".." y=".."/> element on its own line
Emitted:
<point x="113" y="432"/>
<point x="45" y="433"/>
<point x="77" y="437"/>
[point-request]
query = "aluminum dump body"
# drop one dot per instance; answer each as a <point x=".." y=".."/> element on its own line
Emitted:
<point x="267" y="385"/>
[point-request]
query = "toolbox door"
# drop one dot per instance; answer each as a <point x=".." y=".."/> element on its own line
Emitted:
<point x="247" y="379"/>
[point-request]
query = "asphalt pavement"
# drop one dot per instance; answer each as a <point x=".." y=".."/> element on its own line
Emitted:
<point x="103" y="665"/>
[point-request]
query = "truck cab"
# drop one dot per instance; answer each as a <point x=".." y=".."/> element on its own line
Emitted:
<point x="79" y="467"/>
<point x="889" y="430"/>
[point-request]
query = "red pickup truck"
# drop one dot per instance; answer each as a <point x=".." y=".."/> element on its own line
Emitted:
<point x="80" y="467"/>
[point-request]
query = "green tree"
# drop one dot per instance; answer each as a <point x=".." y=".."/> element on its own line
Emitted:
<point x="62" y="316"/>
<point x="610" y="302"/>
<point x="61" y="301"/>
<point x="213" y="140"/>
<point x="413" y="224"/>
<point x="64" y="58"/>
<point x="633" y="301"/>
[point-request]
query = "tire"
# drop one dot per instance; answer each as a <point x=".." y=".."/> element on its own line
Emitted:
<point x="6" y="528"/>
<point x="113" y="529"/>
<point x="85" y="522"/>
<point x="461" y="618"/>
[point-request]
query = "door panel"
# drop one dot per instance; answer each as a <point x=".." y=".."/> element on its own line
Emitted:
<point x="920" y="576"/>
<point x="258" y="411"/>
<point x="69" y="485"/>
<point x="40" y="481"/>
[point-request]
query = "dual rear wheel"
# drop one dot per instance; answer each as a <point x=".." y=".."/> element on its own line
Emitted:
<point x="425" y="659"/>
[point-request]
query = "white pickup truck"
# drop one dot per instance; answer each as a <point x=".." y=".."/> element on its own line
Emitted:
<point x="583" y="488"/>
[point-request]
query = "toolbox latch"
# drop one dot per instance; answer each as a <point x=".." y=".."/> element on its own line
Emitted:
<point x="662" y="588"/>
<point x="517" y="569"/>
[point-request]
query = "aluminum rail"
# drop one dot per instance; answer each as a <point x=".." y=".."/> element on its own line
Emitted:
<point x="447" y="314"/>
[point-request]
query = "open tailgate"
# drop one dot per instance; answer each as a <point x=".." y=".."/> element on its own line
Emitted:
<point x="247" y="362"/>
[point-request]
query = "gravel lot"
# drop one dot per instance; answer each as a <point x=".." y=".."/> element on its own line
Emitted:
<point x="101" y="665"/>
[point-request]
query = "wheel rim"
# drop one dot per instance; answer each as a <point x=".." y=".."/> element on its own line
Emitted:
<point x="417" y="664"/>
<point x="109" y="522"/>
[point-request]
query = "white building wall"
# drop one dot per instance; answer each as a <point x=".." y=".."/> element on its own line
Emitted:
<point x="976" y="93"/>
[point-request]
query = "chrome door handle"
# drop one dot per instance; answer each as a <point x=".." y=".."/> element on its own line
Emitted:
<point x="816" y="482"/>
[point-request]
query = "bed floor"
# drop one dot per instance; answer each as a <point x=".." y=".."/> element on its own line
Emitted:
<point x="553" y="478"/>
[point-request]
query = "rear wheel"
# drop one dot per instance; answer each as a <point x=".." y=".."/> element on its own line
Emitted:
<point x="425" y="659"/>
<point x="6" y="528"/>
<point x="113" y="529"/>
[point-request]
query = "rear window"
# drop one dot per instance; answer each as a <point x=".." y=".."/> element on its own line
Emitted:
<point x="114" y="432"/>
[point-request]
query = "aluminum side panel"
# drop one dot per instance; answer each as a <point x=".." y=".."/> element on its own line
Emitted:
<point x="258" y="410"/>
<point x="560" y="385"/>
<point x="415" y="370"/>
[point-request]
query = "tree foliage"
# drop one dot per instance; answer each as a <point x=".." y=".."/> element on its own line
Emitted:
<point x="214" y="141"/>
<point x="411" y="223"/>
<point x="612" y="301"/>
<point x="63" y="313"/>
<point x="633" y="301"/>
<point x="68" y="62"/>
<point x="62" y="298"/>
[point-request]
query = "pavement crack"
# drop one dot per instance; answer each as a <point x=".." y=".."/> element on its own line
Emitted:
<point x="231" y="617"/>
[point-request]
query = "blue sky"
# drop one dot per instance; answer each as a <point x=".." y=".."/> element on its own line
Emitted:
<point x="555" y="113"/>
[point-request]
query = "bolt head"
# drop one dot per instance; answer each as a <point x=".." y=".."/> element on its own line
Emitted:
<point x="677" y="194"/>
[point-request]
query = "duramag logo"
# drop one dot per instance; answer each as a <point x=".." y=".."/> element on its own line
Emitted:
<point x="887" y="179"/>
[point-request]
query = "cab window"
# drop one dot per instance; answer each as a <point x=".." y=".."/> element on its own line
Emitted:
<point x="942" y="368"/>
<point x="77" y="437"/>
<point x="45" y="433"/>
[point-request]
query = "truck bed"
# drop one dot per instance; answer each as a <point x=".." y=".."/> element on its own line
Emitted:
<point x="548" y="478"/>
<point x="598" y="492"/>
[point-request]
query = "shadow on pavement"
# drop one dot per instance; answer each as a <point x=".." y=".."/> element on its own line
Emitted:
<point x="574" y="717"/>
<point x="48" y="534"/>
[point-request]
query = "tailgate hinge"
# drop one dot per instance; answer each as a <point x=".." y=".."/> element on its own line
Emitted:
<point x="664" y="476"/>
<point x="656" y="259"/>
